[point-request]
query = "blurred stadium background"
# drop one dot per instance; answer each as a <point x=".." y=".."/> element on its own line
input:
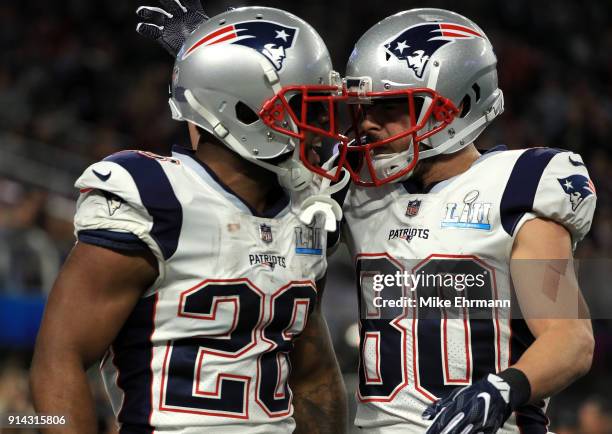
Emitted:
<point x="77" y="83"/>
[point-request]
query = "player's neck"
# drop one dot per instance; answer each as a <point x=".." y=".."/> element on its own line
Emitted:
<point x="447" y="166"/>
<point x="253" y="184"/>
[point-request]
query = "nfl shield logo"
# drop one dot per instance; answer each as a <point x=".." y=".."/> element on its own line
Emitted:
<point x="265" y="232"/>
<point x="413" y="207"/>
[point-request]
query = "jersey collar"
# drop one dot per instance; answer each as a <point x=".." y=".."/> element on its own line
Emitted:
<point x="188" y="157"/>
<point x="413" y="187"/>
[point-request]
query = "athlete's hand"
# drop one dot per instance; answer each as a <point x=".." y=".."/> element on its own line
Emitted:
<point x="482" y="407"/>
<point x="171" y="24"/>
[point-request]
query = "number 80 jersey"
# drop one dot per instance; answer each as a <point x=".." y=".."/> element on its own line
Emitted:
<point x="466" y="225"/>
<point x="207" y="345"/>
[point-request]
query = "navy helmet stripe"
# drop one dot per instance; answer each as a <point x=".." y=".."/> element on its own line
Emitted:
<point x="133" y="352"/>
<point x="157" y="196"/>
<point x="522" y="185"/>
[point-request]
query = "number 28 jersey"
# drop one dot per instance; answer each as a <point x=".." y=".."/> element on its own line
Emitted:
<point x="207" y="345"/>
<point x="410" y="357"/>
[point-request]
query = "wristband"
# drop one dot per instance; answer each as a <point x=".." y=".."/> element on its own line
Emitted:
<point x="520" y="389"/>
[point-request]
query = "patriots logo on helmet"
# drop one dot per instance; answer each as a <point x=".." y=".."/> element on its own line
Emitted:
<point x="418" y="43"/>
<point x="269" y="38"/>
<point x="578" y="188"/>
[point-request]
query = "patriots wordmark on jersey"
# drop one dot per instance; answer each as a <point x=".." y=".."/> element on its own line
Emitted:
<point x="207" y="345"/>
<point x="413" y="354"/>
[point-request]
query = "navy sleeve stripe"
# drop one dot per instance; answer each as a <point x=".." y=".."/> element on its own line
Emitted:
<point x="113" y="240"/>
<point x="157" y="196"/>
<point x="522" y="185"/>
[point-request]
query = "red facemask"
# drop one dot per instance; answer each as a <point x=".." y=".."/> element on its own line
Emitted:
<point x="312" y="109"/>
<point x="353" y="152"/>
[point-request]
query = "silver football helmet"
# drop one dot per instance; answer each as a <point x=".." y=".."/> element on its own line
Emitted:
<point x="444" y="67"/>
<point x="236" y="77"/>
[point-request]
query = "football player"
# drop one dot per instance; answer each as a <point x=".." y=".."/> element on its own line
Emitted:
<point x="194" y="275"/>
<point x="425" y="84"/>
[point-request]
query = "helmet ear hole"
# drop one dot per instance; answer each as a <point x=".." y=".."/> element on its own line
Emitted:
<point x="245" y="114"/>
<point x="466" y="105"/>
<point x="476" y="90"/>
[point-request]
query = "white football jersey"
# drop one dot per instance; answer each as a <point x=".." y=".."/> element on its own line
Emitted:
<point x="464" y="225"/>
<point x="207" y="345"/>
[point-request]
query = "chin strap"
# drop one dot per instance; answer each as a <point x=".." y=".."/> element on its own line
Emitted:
<point x="294" y="176"/>
<point x="387" y="165"/>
